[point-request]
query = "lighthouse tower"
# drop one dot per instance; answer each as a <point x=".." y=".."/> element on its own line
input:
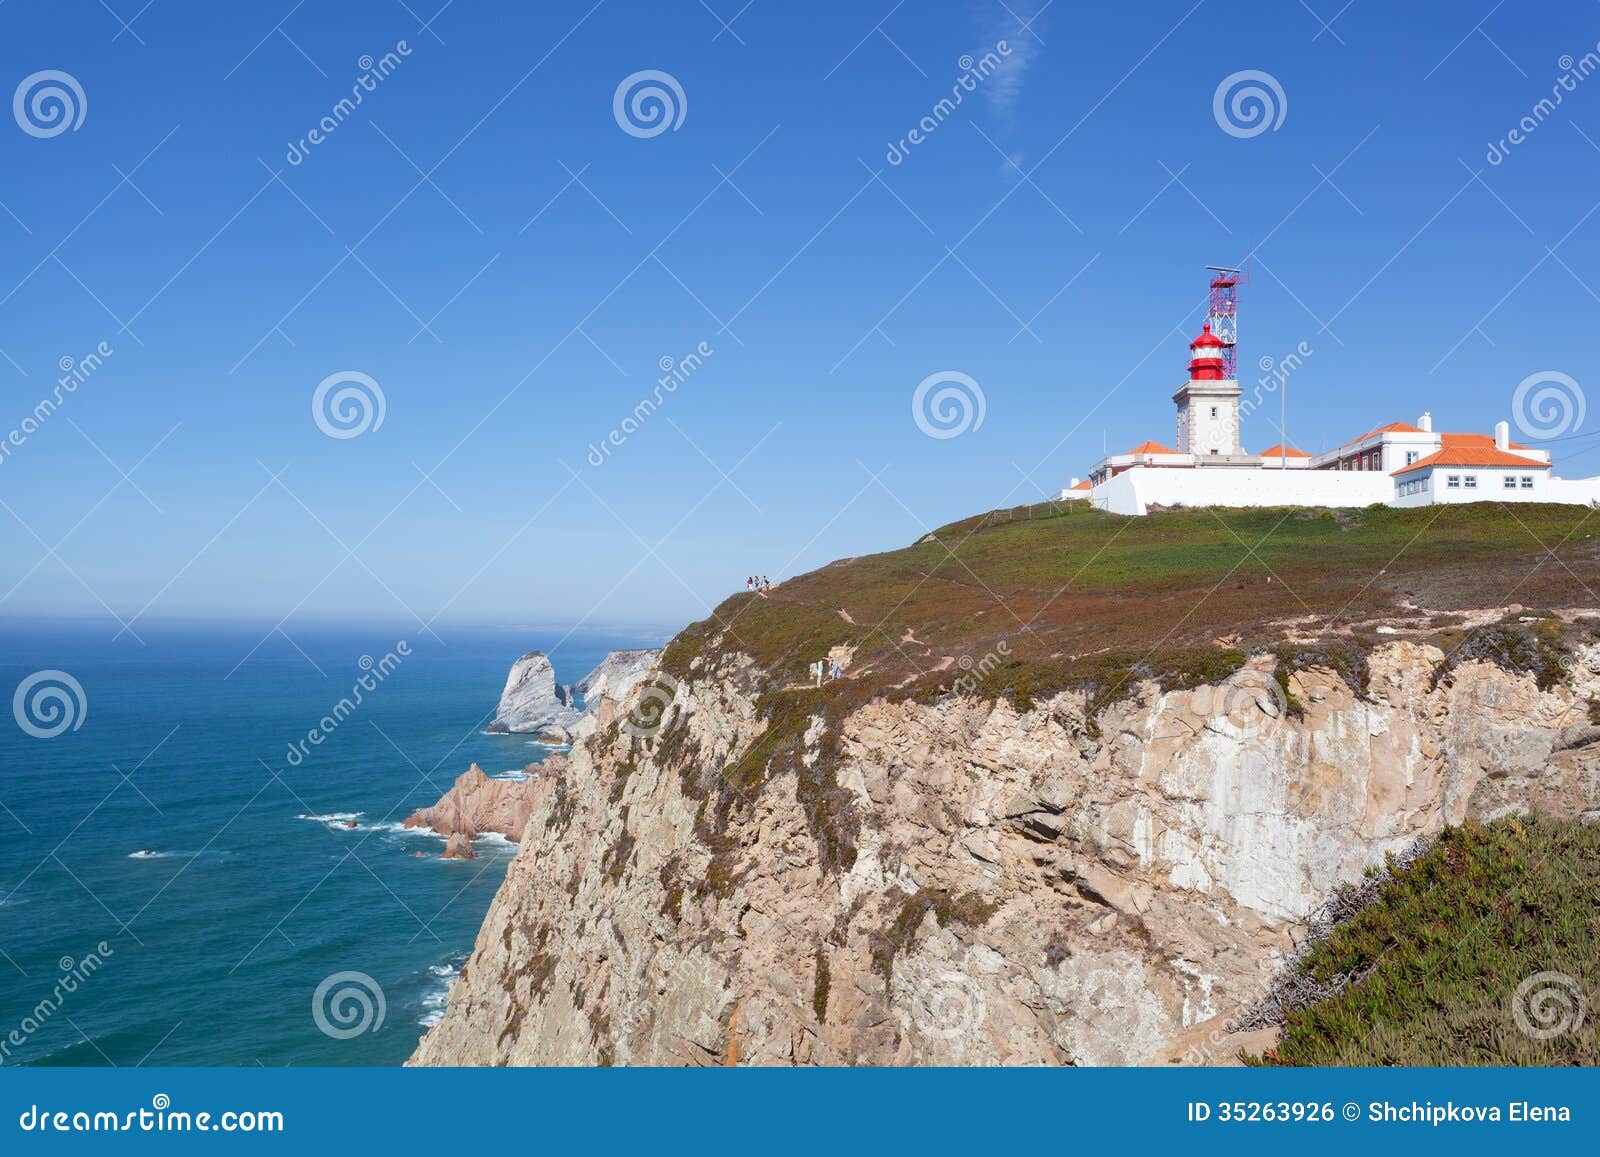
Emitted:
<point x="1208" y="403"/>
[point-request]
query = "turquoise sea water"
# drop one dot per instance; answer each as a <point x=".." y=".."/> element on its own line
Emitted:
<point x="170" y="825"/>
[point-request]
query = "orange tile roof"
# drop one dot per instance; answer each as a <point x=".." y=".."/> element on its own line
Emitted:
<point x="1474" y="454"/>
<point x="1084" y="485"/>
<point x="1391" y="428"/>
<point x="1279" y="451"/>
<point x="1152" y="448"/>
<point x="1474" y="440"/>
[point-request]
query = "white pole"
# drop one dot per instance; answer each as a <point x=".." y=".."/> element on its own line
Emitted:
<point x="1283" y="424"/>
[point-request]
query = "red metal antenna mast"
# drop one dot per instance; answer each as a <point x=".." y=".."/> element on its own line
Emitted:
<point x="1222" y="311"/>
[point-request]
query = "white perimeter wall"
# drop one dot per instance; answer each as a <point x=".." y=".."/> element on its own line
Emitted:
<point x="1135" y="491"/>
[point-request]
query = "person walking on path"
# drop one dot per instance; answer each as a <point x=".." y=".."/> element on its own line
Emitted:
<point x="838" y="671"/>
<point x="749" y="585"/>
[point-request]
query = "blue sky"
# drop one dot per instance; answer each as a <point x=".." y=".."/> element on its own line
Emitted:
<point x="484" y="240"/>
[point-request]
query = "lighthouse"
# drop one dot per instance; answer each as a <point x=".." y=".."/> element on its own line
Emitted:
<point x="1208" y="403"/>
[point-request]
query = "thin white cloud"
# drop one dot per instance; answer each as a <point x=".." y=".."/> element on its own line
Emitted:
<point x="1005" y="22"/>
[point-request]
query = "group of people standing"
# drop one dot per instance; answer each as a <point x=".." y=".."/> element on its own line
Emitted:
<point x="763" y="583"/>
<point x="822" y="667"/>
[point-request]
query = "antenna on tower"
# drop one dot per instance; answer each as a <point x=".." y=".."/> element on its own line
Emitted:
<point x="1222" y="311"/>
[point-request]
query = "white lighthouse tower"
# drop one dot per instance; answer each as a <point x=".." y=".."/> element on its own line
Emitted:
<point x="1208" y="404"/>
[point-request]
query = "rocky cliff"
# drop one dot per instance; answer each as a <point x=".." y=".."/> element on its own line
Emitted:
<point x="733" y="877"/>
<point x="477" y="804"/>
<point x="532" y="700"/>
<point x="618" y="673"/>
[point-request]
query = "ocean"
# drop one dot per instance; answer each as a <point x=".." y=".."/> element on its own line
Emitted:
<point x="180" y="885"/>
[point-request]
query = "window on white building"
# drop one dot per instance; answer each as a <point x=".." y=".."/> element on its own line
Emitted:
<point x="1527" y="481"/>
<point x="1411" y="456"/>
<point x="1213" y="411"/>
<point x="1511" y="481"/>
<point x="1472" y="481"/>
<point x="1453" y="482"/>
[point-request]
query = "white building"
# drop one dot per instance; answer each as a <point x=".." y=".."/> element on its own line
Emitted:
<point x="1399" y="464"/>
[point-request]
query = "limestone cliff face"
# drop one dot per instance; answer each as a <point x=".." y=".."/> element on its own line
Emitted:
<point x="962" y="884"/>
<point x="532" y="699"/>
<point x="618" y="673"/>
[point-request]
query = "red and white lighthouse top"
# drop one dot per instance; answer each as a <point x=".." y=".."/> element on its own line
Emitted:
<point x="1205" y="357"/>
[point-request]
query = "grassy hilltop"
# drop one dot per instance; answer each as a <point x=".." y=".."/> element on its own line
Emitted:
<point x="1080" y="597"/>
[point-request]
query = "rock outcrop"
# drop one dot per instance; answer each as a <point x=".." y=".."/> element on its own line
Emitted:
<point x="477" y="804"/>
<point x="458" y="847"/>
<point x="618" y="673"/>
<point x="966" y="883"/>
<point x="534" y="703"/>
<point x="532" y="698"/>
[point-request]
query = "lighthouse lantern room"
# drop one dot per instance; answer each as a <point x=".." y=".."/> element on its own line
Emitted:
<point x="1208" y="403"/>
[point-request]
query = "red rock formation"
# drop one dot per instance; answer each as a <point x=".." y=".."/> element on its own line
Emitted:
<point x="477" y="804"/>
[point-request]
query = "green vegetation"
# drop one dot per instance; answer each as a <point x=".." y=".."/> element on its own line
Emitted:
<point x="1081" y="598"/>
<point x="1348" y="662"/>
<point x="819" y="990"/>
<point x="968" y="910"/>
<point x="1445" y="953"/>
<point x="1538" y="650"/>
